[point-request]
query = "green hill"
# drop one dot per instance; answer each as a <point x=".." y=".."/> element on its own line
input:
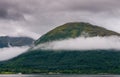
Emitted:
<point x="59" y="61"/>
<point x="73" y="30"/>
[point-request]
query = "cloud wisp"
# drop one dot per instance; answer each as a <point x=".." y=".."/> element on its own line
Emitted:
<point x="82" y="43"/>
<point x="11" y="52"/>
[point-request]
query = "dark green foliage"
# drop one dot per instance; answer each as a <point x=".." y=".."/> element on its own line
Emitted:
<point x="15" y="41"/>
<point x="73" y="30"/>
<point x="81" y="62"/>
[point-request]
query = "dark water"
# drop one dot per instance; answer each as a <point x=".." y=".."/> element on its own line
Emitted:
<point x="59" y="75"/>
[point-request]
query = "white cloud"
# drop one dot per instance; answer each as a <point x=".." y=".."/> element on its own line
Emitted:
<point x="82" y="43"/>
<point x="9" y="53"/>
<point x="12" y="28"/>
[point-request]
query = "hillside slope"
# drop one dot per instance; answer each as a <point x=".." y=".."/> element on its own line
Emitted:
<point x="73" y="30"/>
<point x="77" y="62"/>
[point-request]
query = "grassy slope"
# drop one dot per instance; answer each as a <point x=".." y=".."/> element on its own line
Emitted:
<point x="72" y="30"/>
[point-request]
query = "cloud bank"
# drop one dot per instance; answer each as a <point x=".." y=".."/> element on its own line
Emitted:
<point x="9" y="53"/>
<point x="82" y="43"/>
<point x="40" y="16"/>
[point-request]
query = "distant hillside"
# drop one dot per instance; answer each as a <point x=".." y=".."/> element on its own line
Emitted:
<point x="73" y="30"/>
<point x="6" y="41"/>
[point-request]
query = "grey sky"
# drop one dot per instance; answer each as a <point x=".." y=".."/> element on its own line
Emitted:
<point x="36" y="17"/>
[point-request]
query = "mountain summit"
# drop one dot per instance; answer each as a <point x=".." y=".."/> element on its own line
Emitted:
<point x="73" y="30"/>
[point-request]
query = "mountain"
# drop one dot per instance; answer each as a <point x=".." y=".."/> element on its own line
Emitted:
<point x="6" y="41"/>
<point x="73" y="30"/>
<point x="67" y="61"/>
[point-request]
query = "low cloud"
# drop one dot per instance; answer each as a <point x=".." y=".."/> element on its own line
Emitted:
<point x="82" y="43"/>
<point x="9" y="53"/>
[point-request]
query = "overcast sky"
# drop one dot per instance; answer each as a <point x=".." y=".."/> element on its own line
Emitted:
<point x="36" y="17"/>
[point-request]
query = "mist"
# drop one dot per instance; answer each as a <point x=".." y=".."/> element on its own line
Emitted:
<point x="83" y="43"/>
<point x="11" y="52"/>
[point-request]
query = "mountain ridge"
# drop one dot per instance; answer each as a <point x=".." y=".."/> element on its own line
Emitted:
<point x="6" y="41"/>
<point x="73" y="30"/>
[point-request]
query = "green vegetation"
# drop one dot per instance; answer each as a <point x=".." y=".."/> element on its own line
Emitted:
<point x="79" y="62"/>
<point x="7" y="72"/>
<point x="73" y="30"/>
